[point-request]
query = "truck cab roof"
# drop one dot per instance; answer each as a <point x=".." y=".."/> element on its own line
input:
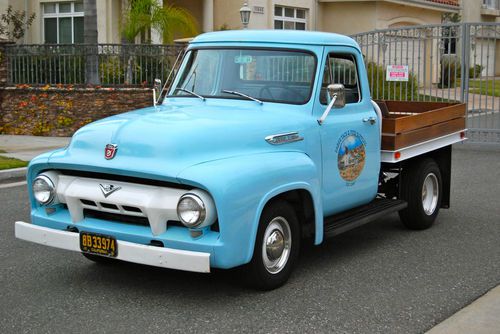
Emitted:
<point x="275" y="36"/>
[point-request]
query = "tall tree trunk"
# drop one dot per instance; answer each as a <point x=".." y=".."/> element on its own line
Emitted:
<point x="90" y="39"/>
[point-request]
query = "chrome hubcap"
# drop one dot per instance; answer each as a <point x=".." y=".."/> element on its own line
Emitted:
<point x="276" y="245"/>
<point x="430" y="194"/>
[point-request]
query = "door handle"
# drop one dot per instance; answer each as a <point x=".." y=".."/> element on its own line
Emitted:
<point x="372" y="120"/>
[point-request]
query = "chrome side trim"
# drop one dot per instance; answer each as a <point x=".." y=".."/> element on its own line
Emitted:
<point x="284" y="138"/>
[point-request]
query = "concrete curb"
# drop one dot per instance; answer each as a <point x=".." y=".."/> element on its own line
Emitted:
<point x="480" y="317"/>
<point x="14" y="173"/>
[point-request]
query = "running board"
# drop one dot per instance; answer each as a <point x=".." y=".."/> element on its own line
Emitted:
<point x="345" y="221"/>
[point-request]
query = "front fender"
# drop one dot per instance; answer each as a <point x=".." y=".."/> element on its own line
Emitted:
<point x="241" y="186"/>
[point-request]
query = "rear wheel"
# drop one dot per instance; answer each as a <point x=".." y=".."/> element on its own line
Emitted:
<point x="421" y="188"/>
<point x="276" y="247"/>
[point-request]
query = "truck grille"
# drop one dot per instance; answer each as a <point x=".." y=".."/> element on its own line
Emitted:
<point x="134" y="201"/>
<point x="119" y="218"/>
<point x="123" y="209"/>
<point x="115" y="217"/>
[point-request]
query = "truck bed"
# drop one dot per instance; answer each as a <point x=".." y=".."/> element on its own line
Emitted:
<point x="408" y="123"/>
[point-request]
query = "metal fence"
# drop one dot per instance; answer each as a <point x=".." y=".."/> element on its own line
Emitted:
<point x="448" y="62"/>
<point x="112" y="64"/>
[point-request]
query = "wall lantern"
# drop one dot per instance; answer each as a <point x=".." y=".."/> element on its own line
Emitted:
<point x="245" y="12"/>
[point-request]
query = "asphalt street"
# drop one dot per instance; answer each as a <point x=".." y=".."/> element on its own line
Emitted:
<point x="380" y="278"/>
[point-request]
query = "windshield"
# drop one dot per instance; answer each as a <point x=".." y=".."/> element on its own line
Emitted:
<point x="270" y="75"/>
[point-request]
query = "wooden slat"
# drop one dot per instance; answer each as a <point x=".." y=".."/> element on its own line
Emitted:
<point x="415" y="107"/>
<point x="395" y="142"/>
<point x="413" y="122"/>
<point x="389" y="125"/>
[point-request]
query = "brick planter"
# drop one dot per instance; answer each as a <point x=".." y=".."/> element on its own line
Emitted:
<point x="60" y="111"/>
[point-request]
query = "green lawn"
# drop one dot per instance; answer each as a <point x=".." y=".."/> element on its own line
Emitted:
<point x="485" y="87"/>
<point x="7" y="163"/>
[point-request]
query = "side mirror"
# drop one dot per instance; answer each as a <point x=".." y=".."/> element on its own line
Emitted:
<point x="338" y="91"/>
<point x="156" y="91"/>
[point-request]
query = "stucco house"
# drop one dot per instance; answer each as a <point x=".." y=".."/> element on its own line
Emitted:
<point x="485" y="42"/>
<point x="61" y="21"/>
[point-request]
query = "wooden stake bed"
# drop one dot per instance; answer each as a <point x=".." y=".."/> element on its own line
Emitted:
<point x="409" y="123"/>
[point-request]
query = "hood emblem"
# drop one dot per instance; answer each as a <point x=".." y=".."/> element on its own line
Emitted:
<point x="108" y="189"/>
<point x="110" y="151"/>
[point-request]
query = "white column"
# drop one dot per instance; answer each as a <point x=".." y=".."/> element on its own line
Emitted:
<point x="156" y="37"/>
<point x="208" y="15"/>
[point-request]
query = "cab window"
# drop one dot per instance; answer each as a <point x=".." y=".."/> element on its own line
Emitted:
<point x="341" y="69"/>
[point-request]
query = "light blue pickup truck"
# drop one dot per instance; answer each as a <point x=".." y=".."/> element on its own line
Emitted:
<point x="264" y="140"/>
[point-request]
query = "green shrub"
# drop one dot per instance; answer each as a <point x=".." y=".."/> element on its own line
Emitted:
<point x="450" y="65"/>
<point x="111" y="70"/>
<point x="475" y="71"/>
<point x="389" y="90"/>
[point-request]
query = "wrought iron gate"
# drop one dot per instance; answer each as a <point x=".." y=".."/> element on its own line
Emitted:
<point x="448" y="62"/>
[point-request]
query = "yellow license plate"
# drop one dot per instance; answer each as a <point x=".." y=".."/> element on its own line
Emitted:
<point x="98" y="244"/>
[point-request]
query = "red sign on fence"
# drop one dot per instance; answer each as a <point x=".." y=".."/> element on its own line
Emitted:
<point x="397" y="73"/>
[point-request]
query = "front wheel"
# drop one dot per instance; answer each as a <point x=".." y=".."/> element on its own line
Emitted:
<point x="421" y="188"/>
<point x="276" y="247"/>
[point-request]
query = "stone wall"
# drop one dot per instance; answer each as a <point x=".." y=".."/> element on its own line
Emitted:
<point x="61" y="110"/>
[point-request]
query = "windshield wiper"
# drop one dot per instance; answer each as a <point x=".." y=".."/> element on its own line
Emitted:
<point x="243" y="95"/>
<point x="190" y="92"/>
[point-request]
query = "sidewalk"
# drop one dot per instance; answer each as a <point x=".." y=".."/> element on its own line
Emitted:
<point x="25" y="148"/>
<point x="480" y="317"/>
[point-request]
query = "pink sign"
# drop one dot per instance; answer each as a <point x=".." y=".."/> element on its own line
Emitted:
<point x="397" y="73"/>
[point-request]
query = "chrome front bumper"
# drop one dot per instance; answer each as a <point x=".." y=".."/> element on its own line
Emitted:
<point x="127" y="251"/>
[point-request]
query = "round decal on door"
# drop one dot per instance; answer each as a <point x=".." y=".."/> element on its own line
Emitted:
<point x="351" y="155"/>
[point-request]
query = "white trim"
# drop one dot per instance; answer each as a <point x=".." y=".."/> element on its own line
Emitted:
<point x="404" y="19"/>
<point x="294" y="19"/>
<point x="422" y="148"/>
<point x="57" y="15"/>
<point x="127" y="251"/>
<point x="490" y="4"/>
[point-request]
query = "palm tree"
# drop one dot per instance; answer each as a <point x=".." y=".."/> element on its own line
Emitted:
<point x="144" y="15"/>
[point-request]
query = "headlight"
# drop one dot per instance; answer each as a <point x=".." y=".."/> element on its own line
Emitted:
<point x="43" y="189"/>
<point x="191" y="210"/>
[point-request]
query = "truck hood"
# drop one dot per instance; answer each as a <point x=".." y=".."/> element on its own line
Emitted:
<point x="165" y="140"/>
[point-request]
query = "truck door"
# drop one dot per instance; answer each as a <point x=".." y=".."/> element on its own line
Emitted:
<point x="350" y="137"/>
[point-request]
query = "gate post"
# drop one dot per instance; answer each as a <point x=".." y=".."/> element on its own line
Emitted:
<point x="428" y="48"/>
<point x="464" y="71"/>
